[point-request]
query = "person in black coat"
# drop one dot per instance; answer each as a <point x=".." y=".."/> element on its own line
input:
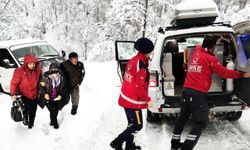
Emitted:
<point x="53" y="93"/>
<point x="74" y="72"/>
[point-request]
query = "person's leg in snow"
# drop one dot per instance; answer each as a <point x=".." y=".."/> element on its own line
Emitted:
<point x="32" y="114"/>
<point x="130" y="144"/>
<point x="75" y="100"/>
<point x="199" y="108"/>
<point x="26" y="111"/>
<point x="194" y="102"/>
<point x="180" y="123"/>
<point x="53" y="109"/>
<point x="135" y="124"/>
<point x="29" y="111"/>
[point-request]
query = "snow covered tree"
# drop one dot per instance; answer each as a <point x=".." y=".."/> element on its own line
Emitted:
<point x="126" y="19"/>
<point x="88" y="26"/>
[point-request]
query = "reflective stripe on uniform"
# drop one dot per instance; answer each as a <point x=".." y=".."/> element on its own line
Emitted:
<point x="176" y="136"/>
<point x="132" y="101"/>
<point x="138" y="117"/>
<point x="191" y="137"/>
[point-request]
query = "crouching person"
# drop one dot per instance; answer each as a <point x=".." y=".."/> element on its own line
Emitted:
<point x="53" y="93"/>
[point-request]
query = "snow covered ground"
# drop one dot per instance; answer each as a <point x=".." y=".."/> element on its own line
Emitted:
<point x="100" y="119"/>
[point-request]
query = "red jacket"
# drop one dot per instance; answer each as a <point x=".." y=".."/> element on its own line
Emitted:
<point x="134" y="91"/>
<point x="25" y="80"/>
<point x="201" y="68"/>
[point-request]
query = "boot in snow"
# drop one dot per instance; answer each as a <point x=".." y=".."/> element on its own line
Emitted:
<point x="184" y="147"/>
<point x="30" y="126"/>
<point x="175" y="149"/>
<point x="178" y="148"/>
<point x="25" y="120"/>
<point x="115" y="144"/>
<point x="56" y="126"/>
<point x="74" y="109"/>
<point x="133" y="147"/>
<point x="54" y="122"/>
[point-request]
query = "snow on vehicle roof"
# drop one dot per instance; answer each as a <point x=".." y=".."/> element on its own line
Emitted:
<point x="195" y="4"/>
<point x="9" y="43"/>
<point x="194" y="30"/>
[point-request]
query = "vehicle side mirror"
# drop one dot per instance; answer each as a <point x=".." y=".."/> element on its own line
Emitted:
<point x="171" y="47"/>
<point x="7" y="64"/>
<point x="6" y="61"/>
<point x="63" y="53"/>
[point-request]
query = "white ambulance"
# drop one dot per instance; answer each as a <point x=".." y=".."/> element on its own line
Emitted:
<point x="173" y="48"/>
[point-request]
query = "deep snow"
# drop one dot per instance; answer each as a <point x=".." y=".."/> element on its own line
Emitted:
<point x="100" y="119"/>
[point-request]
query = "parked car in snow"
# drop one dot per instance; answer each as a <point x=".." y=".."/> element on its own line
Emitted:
<point x="173" y="49"/>
<point x="12" y="56"/>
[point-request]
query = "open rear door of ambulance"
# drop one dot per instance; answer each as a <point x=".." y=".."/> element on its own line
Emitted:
<point x="124" y="51"/>
<point x="242" y="86"/>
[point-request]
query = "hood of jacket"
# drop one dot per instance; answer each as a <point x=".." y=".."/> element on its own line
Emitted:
<point x="29" y="58"/>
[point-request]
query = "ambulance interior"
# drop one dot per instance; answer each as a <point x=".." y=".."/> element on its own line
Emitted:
<point x="176" y="54"/>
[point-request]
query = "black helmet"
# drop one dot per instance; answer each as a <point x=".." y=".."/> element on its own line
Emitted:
<point x="144" y="45"/>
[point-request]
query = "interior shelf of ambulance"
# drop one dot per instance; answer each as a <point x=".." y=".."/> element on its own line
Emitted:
<point x="176" y="55"/>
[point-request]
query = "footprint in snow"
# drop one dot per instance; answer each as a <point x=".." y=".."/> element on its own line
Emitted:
<point x="45" y="129"/>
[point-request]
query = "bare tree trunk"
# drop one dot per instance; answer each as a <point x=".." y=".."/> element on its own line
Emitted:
<point x="33" y="4"/>
<point x="66" y="20"/>
<point x="5" y="6"/>
<point x="243" y="3"/>
<point x="54" y="9"/>
<point x="98" y="12"/>
<point x="86" y="50"/>
<point x="159" y="10"/>
<point x="145" y="18"/>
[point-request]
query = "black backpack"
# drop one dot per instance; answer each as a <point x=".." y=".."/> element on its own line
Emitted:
<point x="17" y="111"/>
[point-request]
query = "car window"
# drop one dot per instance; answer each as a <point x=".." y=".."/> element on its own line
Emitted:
<point x="6" y="60"/>
<point x="40" y="51"/>
<point x="125" y="50"/>
<point x="189" y="41"/>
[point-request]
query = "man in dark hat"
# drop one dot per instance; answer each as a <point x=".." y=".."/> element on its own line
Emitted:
<point x="74" y="73"/>
<point x="134" y="94"/>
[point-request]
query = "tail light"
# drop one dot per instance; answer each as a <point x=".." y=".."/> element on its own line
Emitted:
<point x="243" y="107"/>
<point x="153" y="82"/>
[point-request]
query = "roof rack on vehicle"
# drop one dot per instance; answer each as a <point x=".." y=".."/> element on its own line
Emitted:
<point x="175" y="27"/>
<point x="226" y="23"/>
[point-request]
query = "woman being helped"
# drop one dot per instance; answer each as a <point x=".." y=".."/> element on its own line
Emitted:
<point x="53" y="92"/>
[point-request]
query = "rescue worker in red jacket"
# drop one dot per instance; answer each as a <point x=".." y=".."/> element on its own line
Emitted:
<point x="203" y="64"/>
<point x="25" y="81"/>
<point x="134" y="94"/>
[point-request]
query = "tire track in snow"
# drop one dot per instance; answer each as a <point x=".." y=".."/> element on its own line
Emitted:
<point x="243" y="124"/>
<point x="223" y="134"/>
